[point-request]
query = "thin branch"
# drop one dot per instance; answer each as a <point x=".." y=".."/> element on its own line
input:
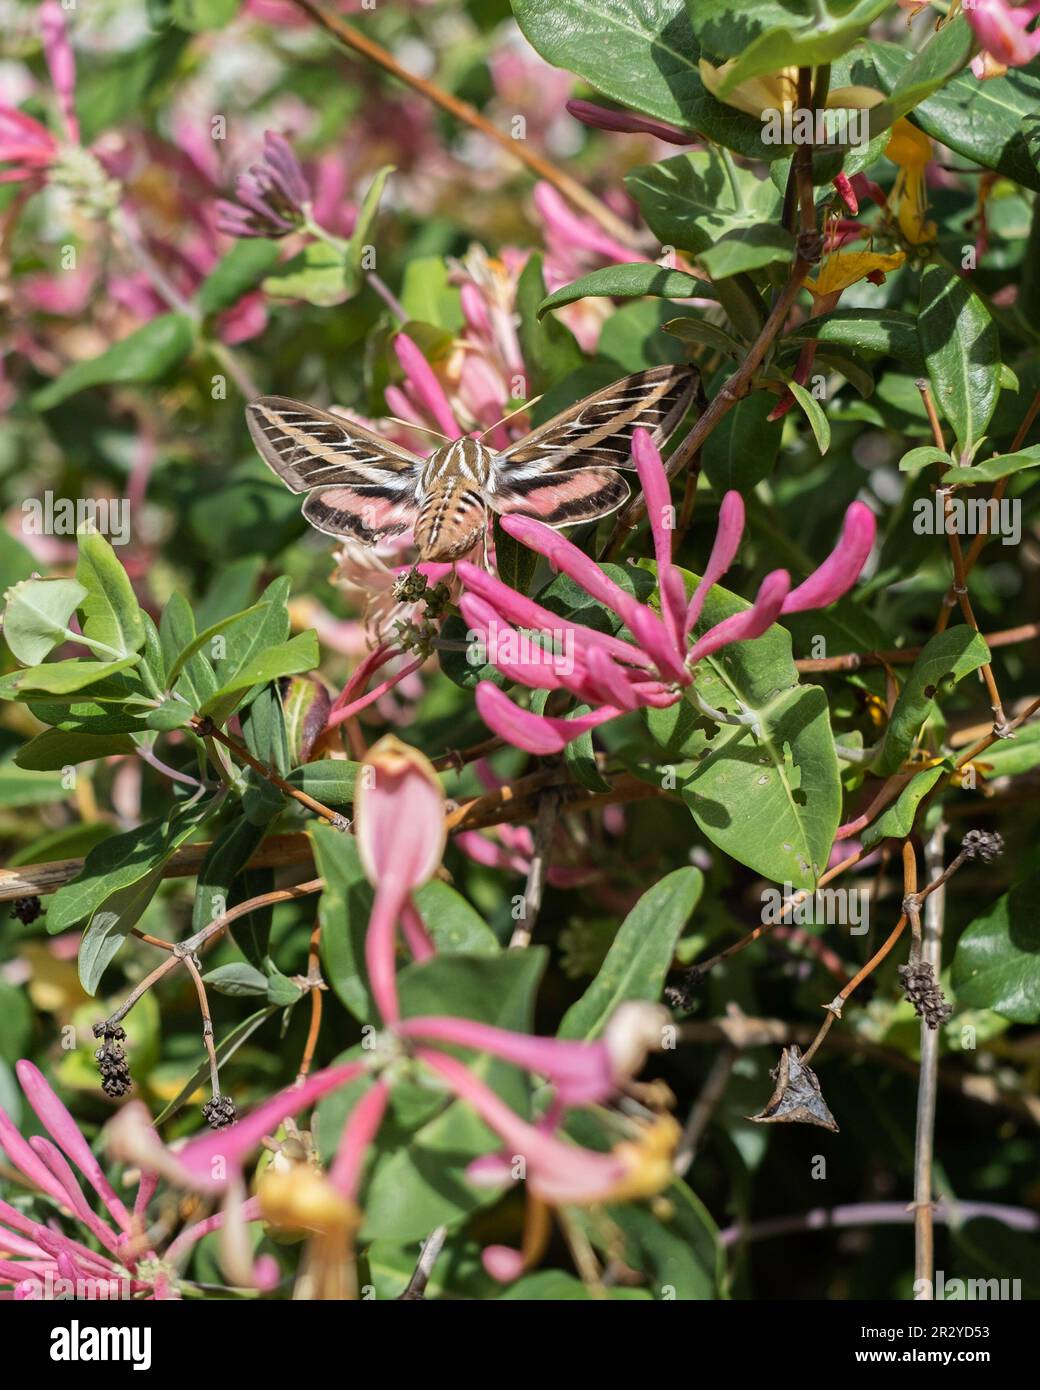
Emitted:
<point x="205" y="728"/>
<point x="428" y="1256"/>
<point x="351" y="37"/>
<point x="906" y="656"/>
<point x="931" y="954"/>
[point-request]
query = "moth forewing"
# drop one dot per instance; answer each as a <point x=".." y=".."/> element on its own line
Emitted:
<point x="310" y="448"/>
<point x="598" y="429"/>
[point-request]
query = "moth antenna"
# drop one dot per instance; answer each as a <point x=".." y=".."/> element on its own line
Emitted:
<point x="506" y="418"/>
<point x="411" y="425"/>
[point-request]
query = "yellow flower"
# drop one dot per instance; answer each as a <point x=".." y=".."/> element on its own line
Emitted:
<point x="911" y="150"/>
<point x="648" y="1160"/>
<point x="845" y="268"/>
<point x="301" y="1198"/>
<point x="776" y="91"/>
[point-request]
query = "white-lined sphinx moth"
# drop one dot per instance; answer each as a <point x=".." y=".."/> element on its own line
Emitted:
<point x="563" y="472"/>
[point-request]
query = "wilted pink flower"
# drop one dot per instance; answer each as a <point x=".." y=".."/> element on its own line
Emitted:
<point x="609" y="673"/>
<point x="1001" y="30"/>
<point x="272" y="195"/>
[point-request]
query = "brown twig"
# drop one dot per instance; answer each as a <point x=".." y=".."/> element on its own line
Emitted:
<point x="315" y="986"/>
<point x="960" y="576"/>
<point x="351" y="37"/>
<point x="999" y="488"/>
<point x="205" y="728"/>
<point x="906" y="656"/>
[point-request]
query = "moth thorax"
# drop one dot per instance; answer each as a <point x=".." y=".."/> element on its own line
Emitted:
<point x="464" y="460"/>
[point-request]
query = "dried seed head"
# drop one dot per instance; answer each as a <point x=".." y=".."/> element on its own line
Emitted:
<point x="219" y="1112"/>
<point x="682" y="994"/>
<point x="26" y="909"/>
<point x="116" y="1080"/>
<point x="922" y="990"/>
<point x="986" y="845"/>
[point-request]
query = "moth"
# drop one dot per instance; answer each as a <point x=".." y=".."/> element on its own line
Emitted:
<point x="564" y="472"/>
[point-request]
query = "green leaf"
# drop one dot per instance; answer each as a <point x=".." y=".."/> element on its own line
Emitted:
<point x="319" y="274"/>
<point x="627" y="282"/>
<point x="16" y="1018"/>
<point x="20" y="787"/>
<point x="643" y="54"/>
<point x="989" y="470"/>
<point x="997" y="964"/>
<point x="689" y="201"/>
<point x="238" y="978"/>
<point x="879" y="331"/>
<point x="703" y="334"/>
<point x="897" y="820"/>
<point x="329" y="780"/>
<point x="241" y="270"/>
<point x="992" y="123"/>
<point x="363" y="226"/>
<point x="516" y="563"/>
<point x="821" y="426"/>
<point x="771" y="799"/>
<point x="282" y="992"/>
<point x="170" y="715"/>
<point x="945" y="659"/>
<point x="961" y="348"/>
<point x="549" y="349"/>
<point x="747" y="248"/>
<point x="226" y="857"/>
<point x="742" y="448"/>
<point x="427" y="295"/>
<point x="117" y="863"/>
<point x="640" y="955"/>
<point x="36" y="616"/>
<point x="922" y="457"/>
<point x="299" y="654"/>
<point x="910" y="78"/>
<point x="766" y="35"/>
<point x="52" y="750"/>
<point x="67" y="677"/>
<point x="146" y="355"/>
<point x="116" y="899"/>
<point x="110" y="611"/>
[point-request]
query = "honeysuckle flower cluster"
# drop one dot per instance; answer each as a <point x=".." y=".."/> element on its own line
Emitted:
<point x="400" y="826"/>
<point x="616" y="675"/>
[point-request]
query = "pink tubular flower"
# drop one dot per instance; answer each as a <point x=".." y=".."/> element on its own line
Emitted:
<point x="581" y="1073"/>
<point x="1001" y="31"/>
<point x="399" y="822"/>
<point x="42" y="1261"/>
<point x="626" y="122"/>
<point x="61" y="63"/>
<point x="612" y="674"/>
<point x="26" y="146"/>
